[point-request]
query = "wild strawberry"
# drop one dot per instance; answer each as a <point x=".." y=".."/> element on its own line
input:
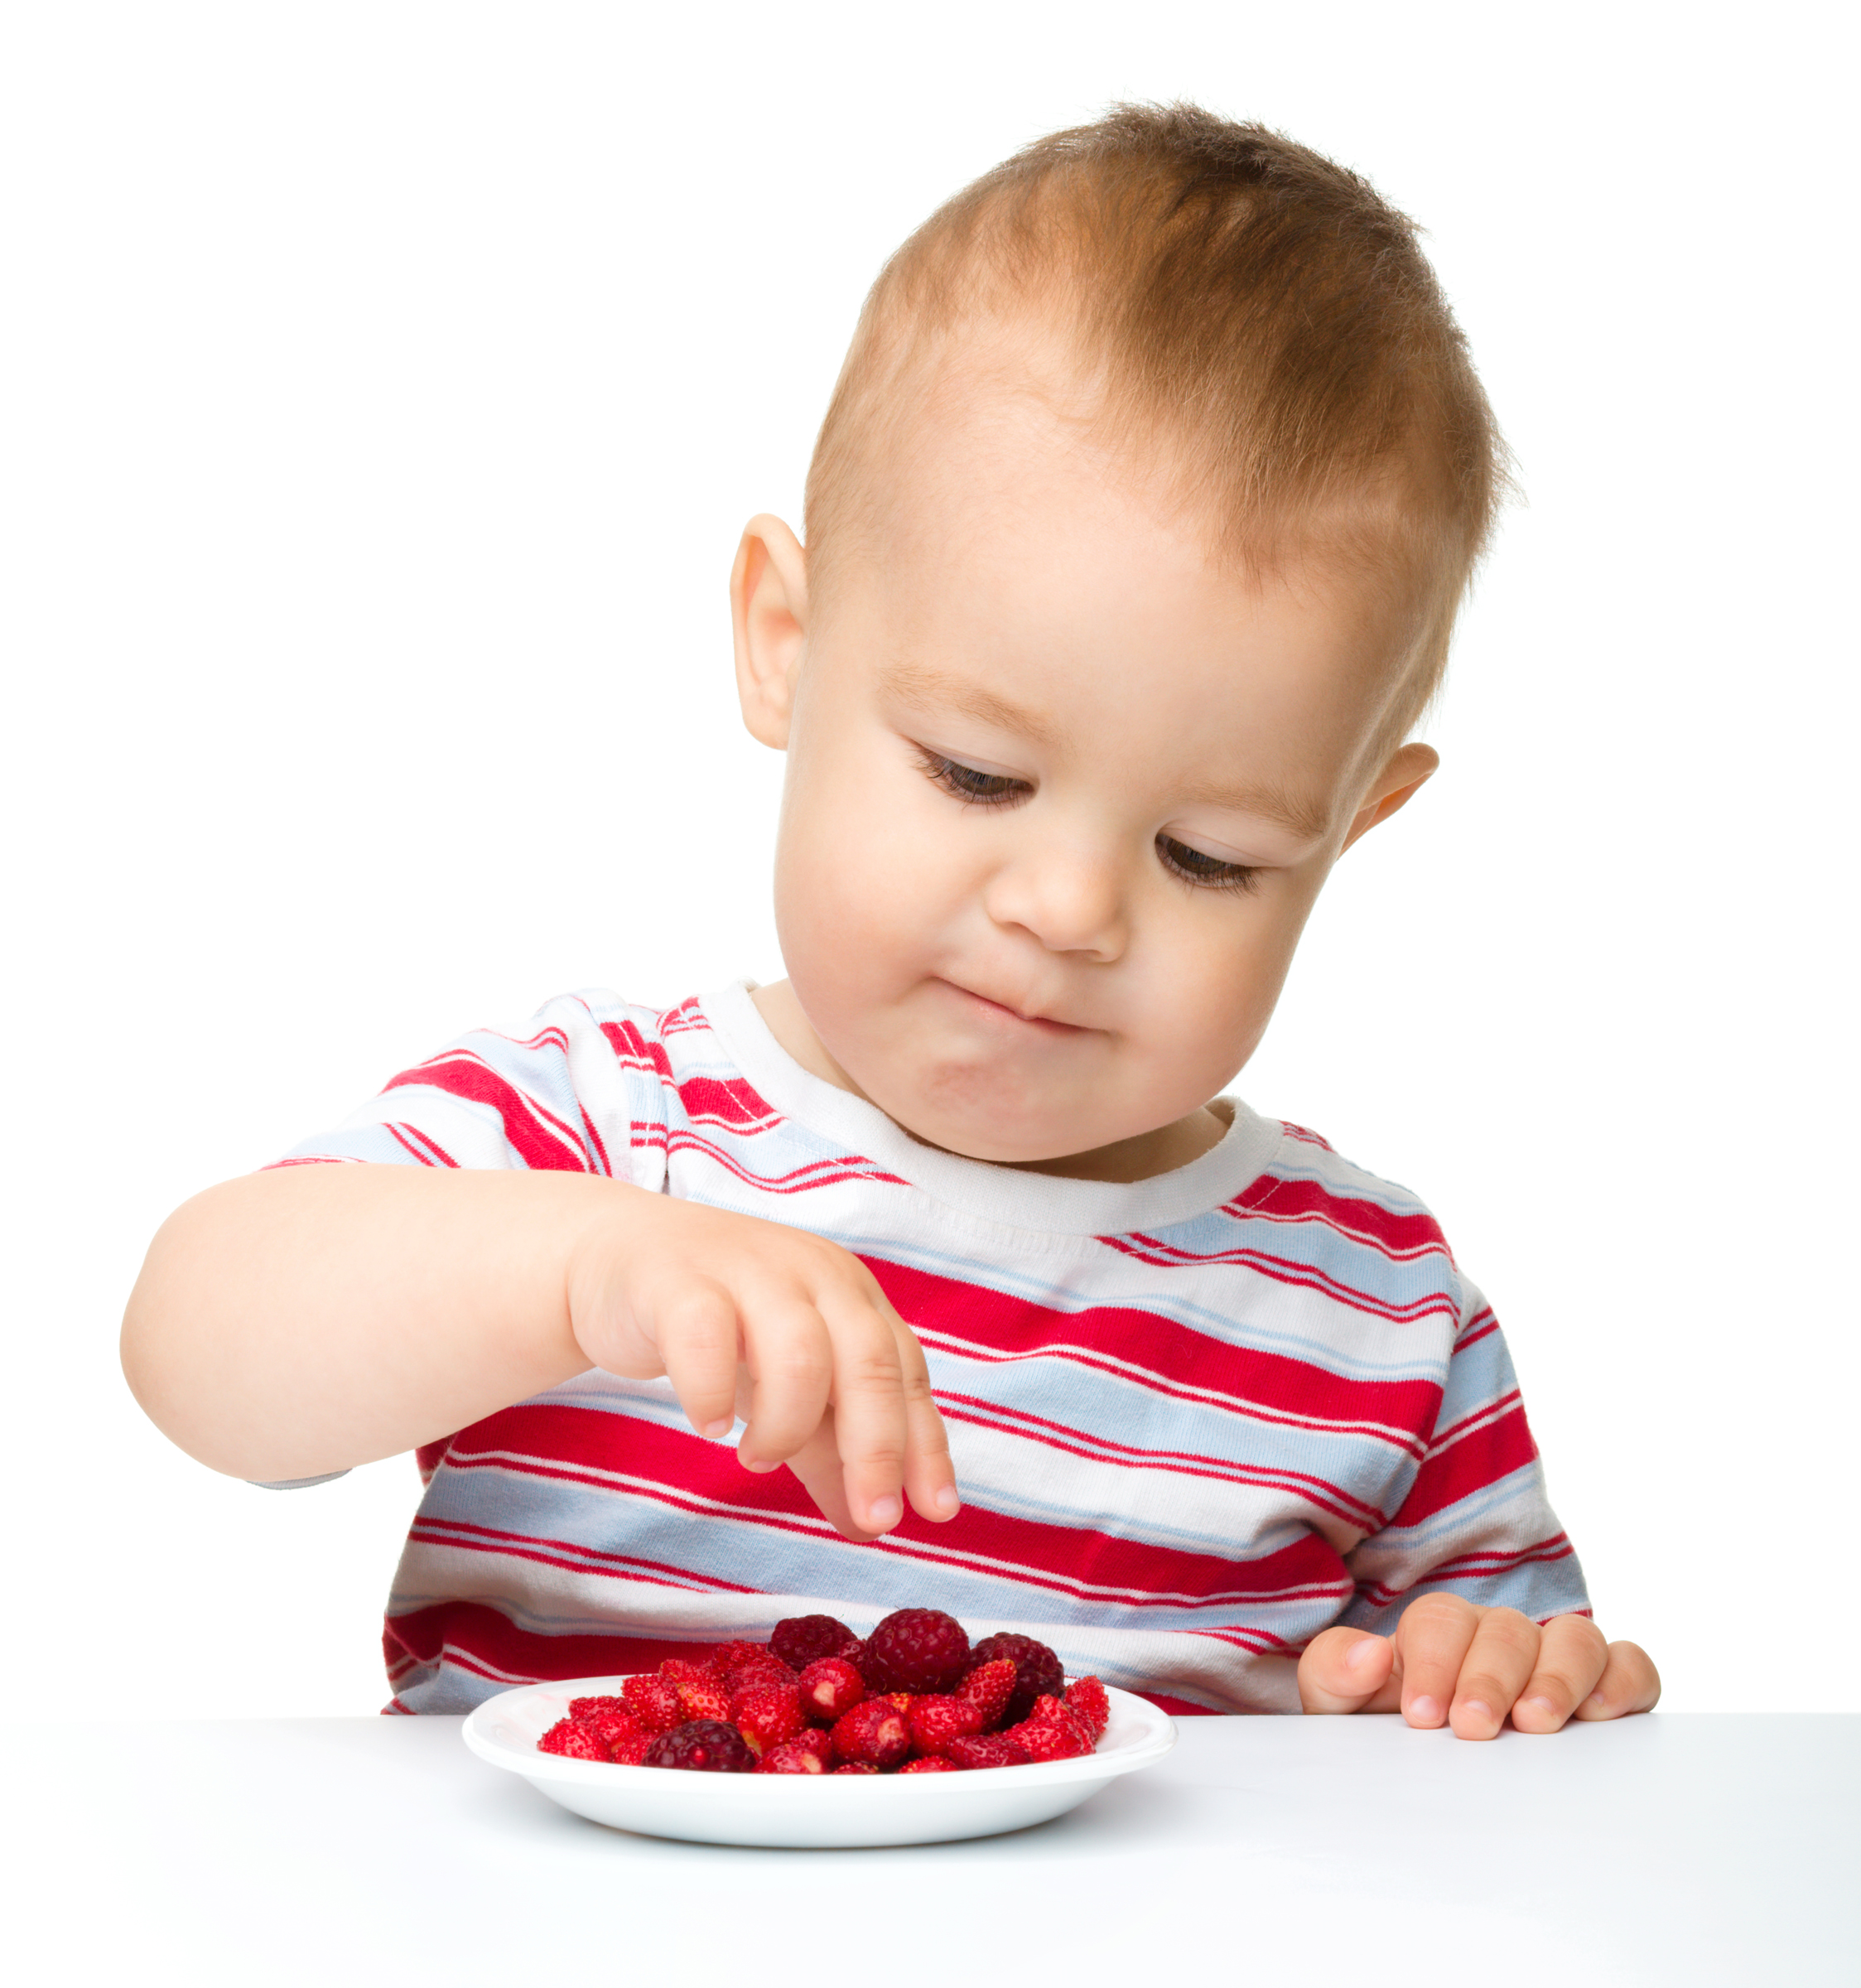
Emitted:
<point x="988" y="1687"/>
<point x="653" y="1701"/>
<point x="701" y="1695"/>
<point x="768" y="1715"/>
<point x="630" y="1749"/>
<point x="1050" y="1738"/>
<point x="705" y="1746"/>
<point x="728" y="1659"/>
<point x="799" y="1640"/>
<point x="791" y="1758"/>
<point x="935" y="1722"/>
<point x="585" y="1708"/>
<point x="830" y="1688"/>
<point x="900" y="1700"/>
<point x="1087" y="1702"/>
<point x="1037" y="1669"/>
<point x="931" y="1764"/>
<point x="816" y="1740"/>
<point x="573" y="1740"/>
<point x="854" y="1766"/>
<point x="873" y="1734"/>
<point x="916" y="1650"/>
<point x="986" y="1749"/>
<point x="606" y="1727"/>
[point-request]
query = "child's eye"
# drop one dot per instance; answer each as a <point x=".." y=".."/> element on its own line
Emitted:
<point x="990" y="789"/>
<point x="1196" y="868"/>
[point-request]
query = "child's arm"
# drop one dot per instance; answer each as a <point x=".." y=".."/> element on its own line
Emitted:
<point x="1451" y="1663"/>
<point x="301" y="1320"/>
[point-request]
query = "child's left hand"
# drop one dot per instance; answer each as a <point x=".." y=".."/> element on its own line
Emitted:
<point x="1450" y="1663"/>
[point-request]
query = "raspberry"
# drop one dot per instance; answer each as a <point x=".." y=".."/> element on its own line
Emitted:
<point x="1052" y="1733"/>
<point x="629" y="1749"/>
<point x="792" y="1758"/>
<point x="935" y="1722"/>
<point x="874" y="1735"/>
<point x="1087" y="1702"/>
<point x="573" y="1740"/>
<point x="799" y="1640"/>
<point x="1037" y="1669"/>
<point x="988" y="1687"/>
<point x="931" y="1764"/>
<point x="587" y="1708"/>
<point x="916" y="1650"/>
<point x="830" y="1688"/>
<point x="854" y="1767"/>
<point x="767" y="1715"/>
<point x="653" y="1701"/>
<point x="706" y="1746"/>
<point x="987" y="1749"/>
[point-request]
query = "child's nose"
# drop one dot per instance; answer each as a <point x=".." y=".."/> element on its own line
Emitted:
<point x="1072" y="898"/>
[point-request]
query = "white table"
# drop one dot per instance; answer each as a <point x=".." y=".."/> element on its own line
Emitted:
<point x="1694" y="1850"/>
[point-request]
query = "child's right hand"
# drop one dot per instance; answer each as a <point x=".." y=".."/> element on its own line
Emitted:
<point x="788" y="1329"/>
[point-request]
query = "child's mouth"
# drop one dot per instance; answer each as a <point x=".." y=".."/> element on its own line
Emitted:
<point x="1000" y="1011"/>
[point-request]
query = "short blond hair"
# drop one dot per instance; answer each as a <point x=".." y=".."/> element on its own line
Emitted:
<point x="1260" y="313"/>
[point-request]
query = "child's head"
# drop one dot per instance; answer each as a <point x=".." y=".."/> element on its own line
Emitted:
<point x="1136" y="529"/>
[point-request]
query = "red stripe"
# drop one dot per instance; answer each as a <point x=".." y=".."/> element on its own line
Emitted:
<point x="667" y="1465"/>
<point x="538" y="1137"/>
<point x="429" y="1152"/>
<point x="851" y="1166"/>
<point x="1489" y="1453"/>
<point x="1400" y="1237"/>
<point x="496" y="1646"/>
<point x="1282" y="1270"/>
<point x="1156" y="1351"/>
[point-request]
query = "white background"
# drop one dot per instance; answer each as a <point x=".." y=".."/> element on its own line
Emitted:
<point x="382" y="390"/>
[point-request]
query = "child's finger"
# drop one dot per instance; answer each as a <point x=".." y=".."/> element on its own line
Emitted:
<point x="790" y="1355"/>
<point x="1571" y="1656"/>
<point x="1346" y="1671"/>
<point x="930" y="1477"/>
<point x="1500" y="1659"/>
<point x="816" y="1466"/>
<point x="1431" y="1640"/>
<point x="869" y="1408"/>
<point x="696" y="1333"/>
<point x="1629" y="1683"/>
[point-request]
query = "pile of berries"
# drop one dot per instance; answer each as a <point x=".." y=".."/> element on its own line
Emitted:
<point x="911" y="1698"/>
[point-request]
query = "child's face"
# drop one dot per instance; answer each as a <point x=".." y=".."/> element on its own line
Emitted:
<point x="1060" y="796"/>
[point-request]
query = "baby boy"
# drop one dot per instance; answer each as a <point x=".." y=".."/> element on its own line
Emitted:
<point x="941" y="1271"/>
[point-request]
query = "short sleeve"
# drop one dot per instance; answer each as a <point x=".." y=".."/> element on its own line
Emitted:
<point x="579" y="1090"/>
<point x="1476" y="1521"/>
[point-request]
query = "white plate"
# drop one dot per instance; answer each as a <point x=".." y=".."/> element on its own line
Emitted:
<point x="804" y="1812"/>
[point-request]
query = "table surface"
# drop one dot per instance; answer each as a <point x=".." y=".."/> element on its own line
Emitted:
<point x="1693" y="1849"/>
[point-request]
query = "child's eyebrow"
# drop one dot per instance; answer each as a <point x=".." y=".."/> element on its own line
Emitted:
<point x="929" y="688"/>
<point x="1310" y="821"/>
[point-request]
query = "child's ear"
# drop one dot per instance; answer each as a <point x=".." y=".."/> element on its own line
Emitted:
<point x="768" y="610"/>
<point x="1403" y="772"/>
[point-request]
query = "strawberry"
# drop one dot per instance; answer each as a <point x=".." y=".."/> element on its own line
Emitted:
<point x="606" y="1727"/>
<point x="653" y="1701"/>
<point x="874" y="1733"/>
<point x="935" y="1721"/>
<point x="987" y="1749"/>
<point x="1050" y="1736"/>
<point x="931" y="1764"/>
<point x="767" y="1715"/>
<point x="854" y="1766"/>
<point x="630" y="1749"/>
<point x="728" y="1659"/>
<point x="701" y="1695"/>
<point x="1086" y="1700"/>
<point x="815" y="1740"/>
<point x="901" y="1699"/>
<point x="573" y="1740"/>
<point x="587" y="1708"/>
<point x="988" y="1687"/>
<point x="791" y="1758"/>
<point x="830" y="1688"/>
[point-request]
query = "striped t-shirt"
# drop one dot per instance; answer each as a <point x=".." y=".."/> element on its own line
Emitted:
<point x="1195" y="1418"/>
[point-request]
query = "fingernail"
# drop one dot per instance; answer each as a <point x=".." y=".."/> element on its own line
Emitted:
<point x="1597" y="1698"/>
<point x="761" y="1470"/>
<point x="947" y="1502"/>
<point x="722" y="1426"/>
<point x="882" y="1512"/>
<point x="1359" y="1652"/>
<point x="1425" y="1711"/>
<point x="1477" y="1708"/>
